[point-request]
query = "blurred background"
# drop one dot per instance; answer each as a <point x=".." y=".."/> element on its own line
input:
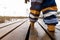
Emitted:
<point x="10" y="9"/>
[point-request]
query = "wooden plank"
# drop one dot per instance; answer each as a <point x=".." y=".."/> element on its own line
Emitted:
<point x="38" y="34"/>
<point x="9" y="23"/>
<point x="55" y="35"/>
<point x="41" y="33"/>
<point x="19" y="33"/>
<point x="8" y="29"/>
<point x="33" y="34"/>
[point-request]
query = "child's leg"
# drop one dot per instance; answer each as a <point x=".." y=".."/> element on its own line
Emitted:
<point x="35" y="10"/>
<point x="49" y="11"/>
<point x="51" y="28"/>
<point x="34" y="14"/>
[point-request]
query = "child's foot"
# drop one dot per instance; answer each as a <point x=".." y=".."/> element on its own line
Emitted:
<point x="51" y="28"/>
<point x="33" y="32"/>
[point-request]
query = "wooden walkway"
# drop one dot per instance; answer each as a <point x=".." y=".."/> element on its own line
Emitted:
<point x="20" y="30"/>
